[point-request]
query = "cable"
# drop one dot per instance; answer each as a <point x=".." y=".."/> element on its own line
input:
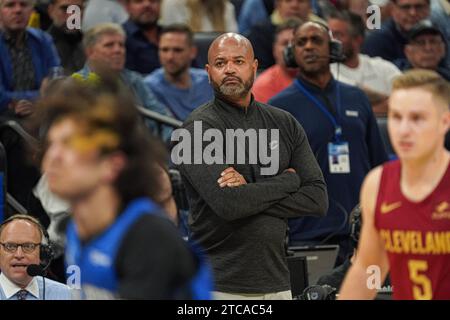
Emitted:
<point x="342" y="227"/>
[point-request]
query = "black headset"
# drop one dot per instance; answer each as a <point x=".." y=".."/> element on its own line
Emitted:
<point x="336" y="50"/>
<point x="46" y="252"/>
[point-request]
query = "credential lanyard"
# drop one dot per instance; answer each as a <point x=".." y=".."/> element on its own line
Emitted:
<point x="333" y="120"/>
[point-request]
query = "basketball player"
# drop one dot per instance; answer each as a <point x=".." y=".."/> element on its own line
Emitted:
<point x="406" y="203"/>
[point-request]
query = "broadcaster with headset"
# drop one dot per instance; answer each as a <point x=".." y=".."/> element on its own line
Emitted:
<point x="21" y="245"/>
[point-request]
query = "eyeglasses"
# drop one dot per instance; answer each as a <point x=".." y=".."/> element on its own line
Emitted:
<point x="417" y="7"/>
<point x="27" y="247"/>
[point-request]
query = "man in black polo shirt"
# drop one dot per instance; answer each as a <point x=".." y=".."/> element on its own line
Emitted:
<point x="239" y="209"/>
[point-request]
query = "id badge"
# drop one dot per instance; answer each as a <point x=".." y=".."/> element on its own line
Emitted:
<point x="339" y="157"/>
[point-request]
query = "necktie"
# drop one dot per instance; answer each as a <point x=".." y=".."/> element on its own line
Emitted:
<point x="21" y="295"/>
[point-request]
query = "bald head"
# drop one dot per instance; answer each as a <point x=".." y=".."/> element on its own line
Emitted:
<point x="230" y="39"/>
<point x="232" y="68"/>
<point x="314" y="25"/>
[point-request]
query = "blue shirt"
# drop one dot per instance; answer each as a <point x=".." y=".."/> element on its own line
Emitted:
<point x="252" y="12"/>
<point x="53" y="291"/>
<point x="142" y="55"/>
<point x="359" y="129"/>
<point x="387" y="42"/>
<point x="44" y="56"/>
<point x="181" y="101"/>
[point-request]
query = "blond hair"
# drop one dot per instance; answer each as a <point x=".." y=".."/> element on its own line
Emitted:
<point x="91" y="37"/>
<point x="427" y="80"/>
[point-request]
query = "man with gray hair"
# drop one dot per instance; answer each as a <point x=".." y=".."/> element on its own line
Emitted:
<point x="27" y="55"/>
<point x="104" y="47"/>
<point x="239" y="209"/>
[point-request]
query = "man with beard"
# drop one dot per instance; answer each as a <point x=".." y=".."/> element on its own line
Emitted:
<point x="67" y="42"/>
<point x="238" y="209"/>
<point x="143" y="34"/>
<point x="342" y="131"/>
<point x="176" y="85"/>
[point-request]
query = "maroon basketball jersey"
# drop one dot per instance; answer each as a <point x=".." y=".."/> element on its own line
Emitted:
<point x="416" y="237"/>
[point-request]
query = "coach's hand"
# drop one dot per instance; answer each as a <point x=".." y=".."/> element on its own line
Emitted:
<point x="231" y="178"/>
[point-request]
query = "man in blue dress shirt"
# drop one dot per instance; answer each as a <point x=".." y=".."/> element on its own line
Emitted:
<point x="21" y="241"/>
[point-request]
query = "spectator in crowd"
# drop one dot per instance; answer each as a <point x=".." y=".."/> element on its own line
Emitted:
<point x="104" y="47"/>
<point x="426" y="49"/>
<point x="101" y="11"/>
<point x="177" y="85"/>
<point x="373" y="75"/>
<point x="404" y="203"/>
<point x="254" y="12"/>
<point x="142" y="32"/>
<point x="101" y="160"/>
<point x="27" y="56"/>
<point x="279" y="76"/>
<point x="342" y="131"/>
<point x="262" y="35"/>
<point x="68" y="42"/>
<point x="389" y="41"/>
<point x="440" y="15"/>
<point x="239" y="210"/>
<point x="22" y="242"/>
<point x="200" y="15"/>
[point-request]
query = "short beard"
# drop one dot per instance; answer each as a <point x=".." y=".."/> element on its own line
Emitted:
<point x="234" y="91"/>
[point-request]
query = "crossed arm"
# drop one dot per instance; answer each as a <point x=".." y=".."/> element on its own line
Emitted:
<point x="298" y="190"/>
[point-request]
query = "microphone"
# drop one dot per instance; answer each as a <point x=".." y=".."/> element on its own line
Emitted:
<point x="34" y="270"/>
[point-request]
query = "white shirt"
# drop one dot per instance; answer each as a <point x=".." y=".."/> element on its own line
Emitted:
<point x="375" y="73"/>
<point x="10" y="288"/>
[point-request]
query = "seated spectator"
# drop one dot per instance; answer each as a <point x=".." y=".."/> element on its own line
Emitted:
<point x="27" y="56"/>
<point x="176" y="85"/>
<point x="426" y="49"/>
<point x="440" y="14"/>
<point x="22" y="242"/>
<point x="262" y="35"/>
<point x="200" y="15"/>
<point x="67" y="41"/>
<point x="389" y="41"/>
<point x="278" y="77"/>
<point x="104" y="47"/>
<point x="373" y="75"/>
<point x="142" y="32"/>
<point x="101" y="11"/>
